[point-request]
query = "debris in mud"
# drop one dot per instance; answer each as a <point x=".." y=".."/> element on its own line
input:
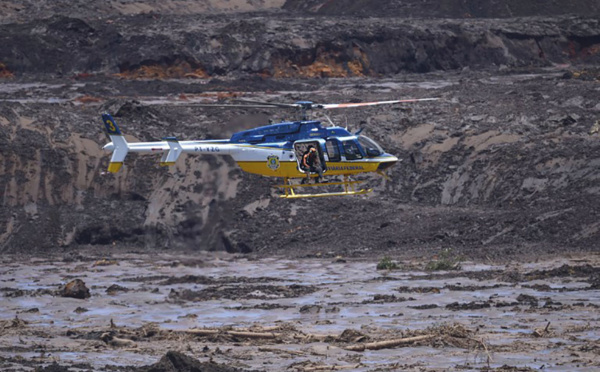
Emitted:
<point x="385" y="298"/>
<point x="455" y="306"/>
<point x="424" y="307"/>
<point x="227" y="333"/>
<point x="14" y="323"/>
<point x="310" y="309"/>
<point x="263" y="306"/>
<point x="449" y="334"/>
<point x="542" y="332"/>
<point x="201" y="279"/>
<point x="418" y="289"/>
<point x="174" y="361"/>
<point x="248" y="292"/>
<point x="30" y="311"/>
<point x="114" y="341"/>
<point x="351" y="335"/>
<point x="75" y="289"/>
<point x="115" y="288"/>
<point x="105" y="262"/>
<point x="527" y="299"/>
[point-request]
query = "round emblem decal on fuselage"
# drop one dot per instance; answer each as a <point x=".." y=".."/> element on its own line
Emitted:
<point x="273" y="162"/>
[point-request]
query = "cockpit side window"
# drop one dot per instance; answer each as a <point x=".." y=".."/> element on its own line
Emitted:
<point x="333" y="151"/>
<point x="371" y="147"/>
<point x="351" y="150"/>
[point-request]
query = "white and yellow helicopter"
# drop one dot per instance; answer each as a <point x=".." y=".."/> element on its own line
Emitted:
<point x="277" y="150"/>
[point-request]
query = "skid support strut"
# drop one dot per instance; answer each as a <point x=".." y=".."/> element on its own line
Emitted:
<point x="348" y="185"/>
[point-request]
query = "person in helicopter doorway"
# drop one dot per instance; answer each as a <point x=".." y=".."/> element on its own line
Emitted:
<point x="312" y="164"/>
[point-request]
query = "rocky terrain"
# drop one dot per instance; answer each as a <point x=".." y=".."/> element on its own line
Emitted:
<point x="505" y="166"/>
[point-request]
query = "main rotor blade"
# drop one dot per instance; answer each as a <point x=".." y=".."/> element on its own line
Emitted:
<point x="268" y="103"/>
<point x="222" y="105"/>
<point x="359" y="104"/>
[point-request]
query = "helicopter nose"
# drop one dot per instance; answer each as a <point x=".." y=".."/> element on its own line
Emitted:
<point x="389" y="161"/>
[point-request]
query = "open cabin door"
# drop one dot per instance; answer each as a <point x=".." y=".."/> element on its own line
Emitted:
<point x="301" y="148"/>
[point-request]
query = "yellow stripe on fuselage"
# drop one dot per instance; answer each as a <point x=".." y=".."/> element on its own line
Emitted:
<point x="290" y="168"/>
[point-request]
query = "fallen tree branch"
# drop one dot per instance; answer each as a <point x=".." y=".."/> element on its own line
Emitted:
<point x="388" y="343"/>
<point x="329" y="368"/>
<point x="247" y="334"/>
<point x="253" y="334"/>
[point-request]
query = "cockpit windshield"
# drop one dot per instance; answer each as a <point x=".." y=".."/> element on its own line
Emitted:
<point x="371" y="147"/>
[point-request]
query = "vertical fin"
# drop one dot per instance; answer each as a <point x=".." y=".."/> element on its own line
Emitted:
<point x="120" y="144"/>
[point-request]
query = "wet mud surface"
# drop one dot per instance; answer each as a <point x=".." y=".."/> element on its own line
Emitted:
<point x="225" y="313"/>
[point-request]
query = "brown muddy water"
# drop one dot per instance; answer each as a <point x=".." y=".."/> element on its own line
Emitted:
<point x="301" y="315"/>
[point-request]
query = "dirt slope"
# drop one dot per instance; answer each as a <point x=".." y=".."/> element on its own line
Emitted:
<point x="502" y="164"/>
<point x="146" y="46"/>
<point x="503" y="161"/>
<point x="446" y="8"/>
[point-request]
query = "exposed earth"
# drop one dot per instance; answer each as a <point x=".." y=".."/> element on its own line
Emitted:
<point x="503" y="168"/>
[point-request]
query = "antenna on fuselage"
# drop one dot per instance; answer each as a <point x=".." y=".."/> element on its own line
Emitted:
<point x="329" y="120"/>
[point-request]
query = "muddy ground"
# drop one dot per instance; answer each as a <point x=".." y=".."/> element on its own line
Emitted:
<point x="225" y="313"/>
<point x="203" y="267"/>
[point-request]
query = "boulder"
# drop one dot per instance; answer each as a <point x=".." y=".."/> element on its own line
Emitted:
<point x="75" y="289"/>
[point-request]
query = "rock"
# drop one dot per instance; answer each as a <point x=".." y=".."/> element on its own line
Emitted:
<point x="115" y="288"/>
<point x="564" y="119"/>
<point x="75" y="289"/>
<point x="416" y="157"/>
<point x="174" y="361"/>
<point x="595" y="128"/>
<point x="310" y="309"/>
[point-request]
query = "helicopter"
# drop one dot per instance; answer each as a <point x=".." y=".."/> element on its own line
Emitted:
<point x="277" y="150"/>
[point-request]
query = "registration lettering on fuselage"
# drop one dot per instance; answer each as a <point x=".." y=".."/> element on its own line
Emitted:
<point x="345" y="167"/>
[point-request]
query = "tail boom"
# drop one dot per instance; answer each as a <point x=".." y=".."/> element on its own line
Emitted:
<point x="170" y="147"/>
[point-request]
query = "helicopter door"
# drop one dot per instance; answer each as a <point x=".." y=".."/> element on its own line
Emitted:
<point x="302" y="147"/>
<point x="333" y="150"/>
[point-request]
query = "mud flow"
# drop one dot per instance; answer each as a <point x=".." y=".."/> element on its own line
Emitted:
<point x="302" y="315"/>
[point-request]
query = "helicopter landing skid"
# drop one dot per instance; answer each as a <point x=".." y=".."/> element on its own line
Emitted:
<point x="348" y="185"/>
